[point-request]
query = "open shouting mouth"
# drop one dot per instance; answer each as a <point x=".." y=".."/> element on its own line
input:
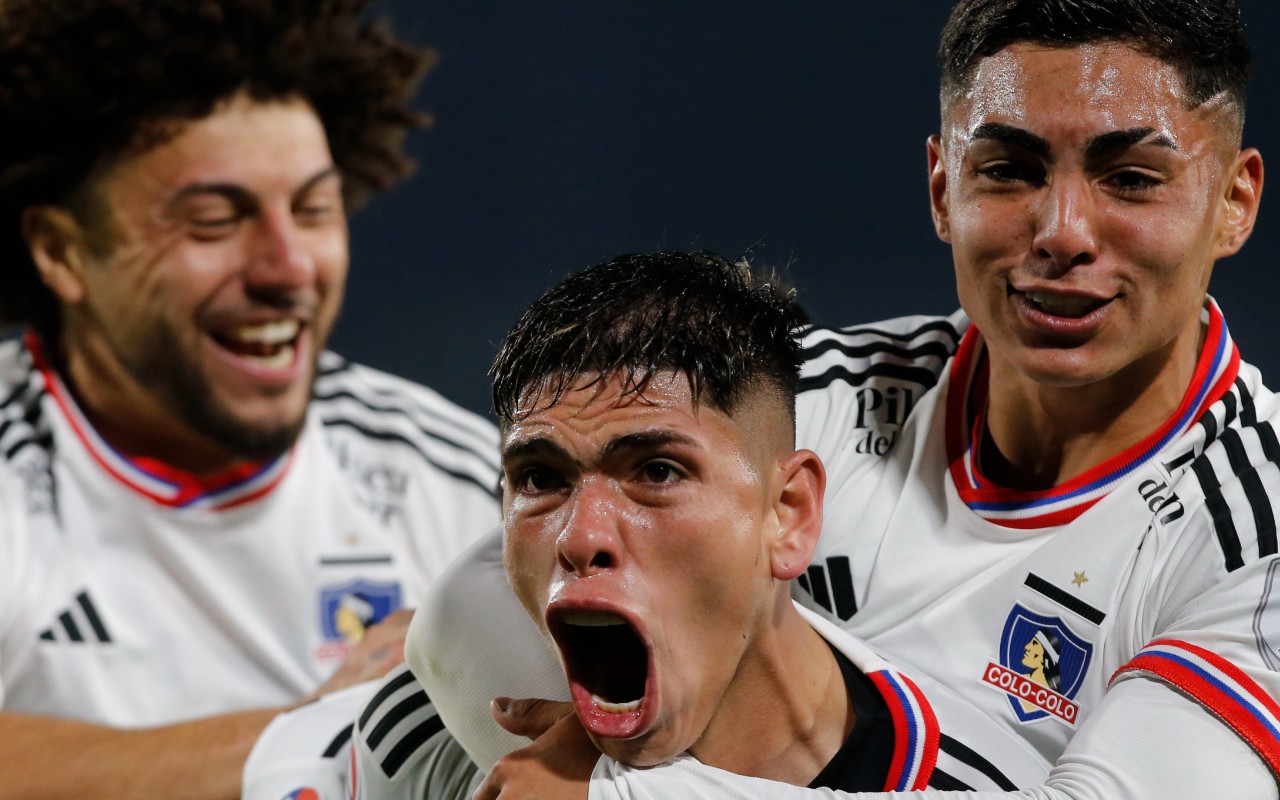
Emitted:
<point x="608" y="666"/>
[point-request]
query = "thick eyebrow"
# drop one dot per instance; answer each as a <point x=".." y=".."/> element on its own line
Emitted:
<point x="1117" y="141"/>
<point x="240" y="195"/>
<point x="541" y="447"/>
<point x="533" y="448"/>
<point x="1017" y="137"/>
<point x="1104" y="144"/>
<point x="646" y="440"/>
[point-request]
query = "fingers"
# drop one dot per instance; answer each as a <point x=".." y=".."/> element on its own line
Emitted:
<point x="529" y="717"/>
<point x="381" y="649"/>
<point x="492" y="786"/>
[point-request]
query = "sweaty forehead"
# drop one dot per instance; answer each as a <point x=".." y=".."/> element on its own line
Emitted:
<point x="1097" y="87"/>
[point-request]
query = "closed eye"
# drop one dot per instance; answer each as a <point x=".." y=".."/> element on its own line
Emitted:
<point x="1133" y="181"/>
<point x="213" y="227"/>
<point x="1011" y="172"/>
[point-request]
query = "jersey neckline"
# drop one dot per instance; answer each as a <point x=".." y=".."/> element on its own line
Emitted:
<point x="156" y="480"/>
<point x="1216" y="370"/>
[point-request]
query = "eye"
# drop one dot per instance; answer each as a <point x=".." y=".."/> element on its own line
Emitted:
<point x="537" y="479"/>
<point x="1133" y="181"/>
<point x="320" y="204"/>
<point x="660" y="472"/>
<point x="212" y="218"/>
<point x="316" y="212"/>
<point x="1011" y="172"/>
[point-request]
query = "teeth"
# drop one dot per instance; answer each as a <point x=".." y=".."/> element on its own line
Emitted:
<point x="1062" y="305"/>
<point x="280" y="359"/>
<point x="592" y="619"/>
<point x="267" y="333"/>
<point x="615" y="708"/>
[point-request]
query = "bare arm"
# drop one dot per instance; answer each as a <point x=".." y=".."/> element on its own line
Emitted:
<point x="46" y="758"/>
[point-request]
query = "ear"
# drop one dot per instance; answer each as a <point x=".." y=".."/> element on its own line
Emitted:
<point x="798" y="507"/>
<point x="1240" y="203"/>
<point x="938" y="188"/>
<point x="55" y="241"/>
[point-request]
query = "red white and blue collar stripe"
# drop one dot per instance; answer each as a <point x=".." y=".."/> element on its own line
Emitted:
<point x="1216" y="370"/>
<point x="1219" y="686"/>
<point x="160" y="482"/>
<point x="915" y="732"/>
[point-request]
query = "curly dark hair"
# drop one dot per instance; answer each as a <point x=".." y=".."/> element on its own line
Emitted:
<point x="1203" y="39"/>
<point x="83" y="82"/>
<point x="725" y="327"/>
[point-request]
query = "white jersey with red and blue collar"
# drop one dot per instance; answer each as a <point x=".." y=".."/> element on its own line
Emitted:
<point x="1112" y="624"/>
<point x="402" y="749"/>
<point x="1124" y="625"/>
<point x="1157" y="564"/>
<point x="153" y="596"/>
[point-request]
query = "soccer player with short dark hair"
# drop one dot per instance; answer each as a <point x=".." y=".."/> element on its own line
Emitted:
<point x="1081" y="449"/>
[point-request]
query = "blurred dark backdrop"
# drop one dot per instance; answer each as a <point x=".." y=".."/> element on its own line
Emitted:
<point x="566" y="133"/>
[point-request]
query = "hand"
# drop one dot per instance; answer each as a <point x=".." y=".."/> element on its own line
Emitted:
<point x="529" y="718"/>
<point x="557" y="766"/>
<point x="381" y="649"/>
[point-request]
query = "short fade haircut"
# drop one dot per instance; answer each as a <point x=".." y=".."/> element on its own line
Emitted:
<point x="86" y="82"/>
<point x="726" y="328"/>
<point x="1202" y="39"/>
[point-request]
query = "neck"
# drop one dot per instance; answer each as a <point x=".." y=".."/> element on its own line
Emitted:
<point x="1038" y="436"/>
<point x="130" y="419"/>
<point x="787" y="711"/>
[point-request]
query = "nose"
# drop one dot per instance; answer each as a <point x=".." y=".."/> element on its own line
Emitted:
<point x="589" y="542"/>
<point x="279" y="259"/>
<point x="1065" y="234"/>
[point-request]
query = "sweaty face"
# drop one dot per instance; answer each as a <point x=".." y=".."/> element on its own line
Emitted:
<point x="1084" y="201"/>
<point x="635" y="535"/>
<point x="217" y="280"/>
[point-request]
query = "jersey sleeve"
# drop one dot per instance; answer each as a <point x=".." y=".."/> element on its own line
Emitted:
<point x="471" y="641"/>
<point x="401" y="749"/>
<point x="1146" y="743"/>
<point x="306" y="749"/>
<point x="1212" y="626"/>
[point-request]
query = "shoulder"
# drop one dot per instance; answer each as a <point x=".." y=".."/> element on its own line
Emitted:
<point x="1230" y="472"/>
<point x="398" y="730"/>
<point x="860" y="384"/>
<point x="26" y="433"/>
<point x="21" y="392"/>
<point x="382" y="411"/>
<point x="909" y="350"/>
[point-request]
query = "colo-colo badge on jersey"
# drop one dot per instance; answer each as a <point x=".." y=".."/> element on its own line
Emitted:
<point x="1042" y="666"/>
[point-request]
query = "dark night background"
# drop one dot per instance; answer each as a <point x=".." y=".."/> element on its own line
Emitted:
<point x="566" y="133"/>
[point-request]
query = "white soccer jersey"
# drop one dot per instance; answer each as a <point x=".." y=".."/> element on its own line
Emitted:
<point x="1157" y="563"/>
<point x="155" y="596"/>
<point x="402" y="749"/>
<point x="1155" y="569"/>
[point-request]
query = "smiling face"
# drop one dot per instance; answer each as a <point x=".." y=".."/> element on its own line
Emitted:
<point x="195" y="302"/>
<point x="1086" y="203"/>
<point x="642" y="533"/>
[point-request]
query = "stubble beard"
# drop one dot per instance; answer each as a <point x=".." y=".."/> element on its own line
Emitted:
<point x="176" y="378"/>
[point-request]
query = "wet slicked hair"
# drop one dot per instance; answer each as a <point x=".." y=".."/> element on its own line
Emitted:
<point x="723" y="326"/>
<point x="1202" y="39"/>
<point x="84" y="82"/>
